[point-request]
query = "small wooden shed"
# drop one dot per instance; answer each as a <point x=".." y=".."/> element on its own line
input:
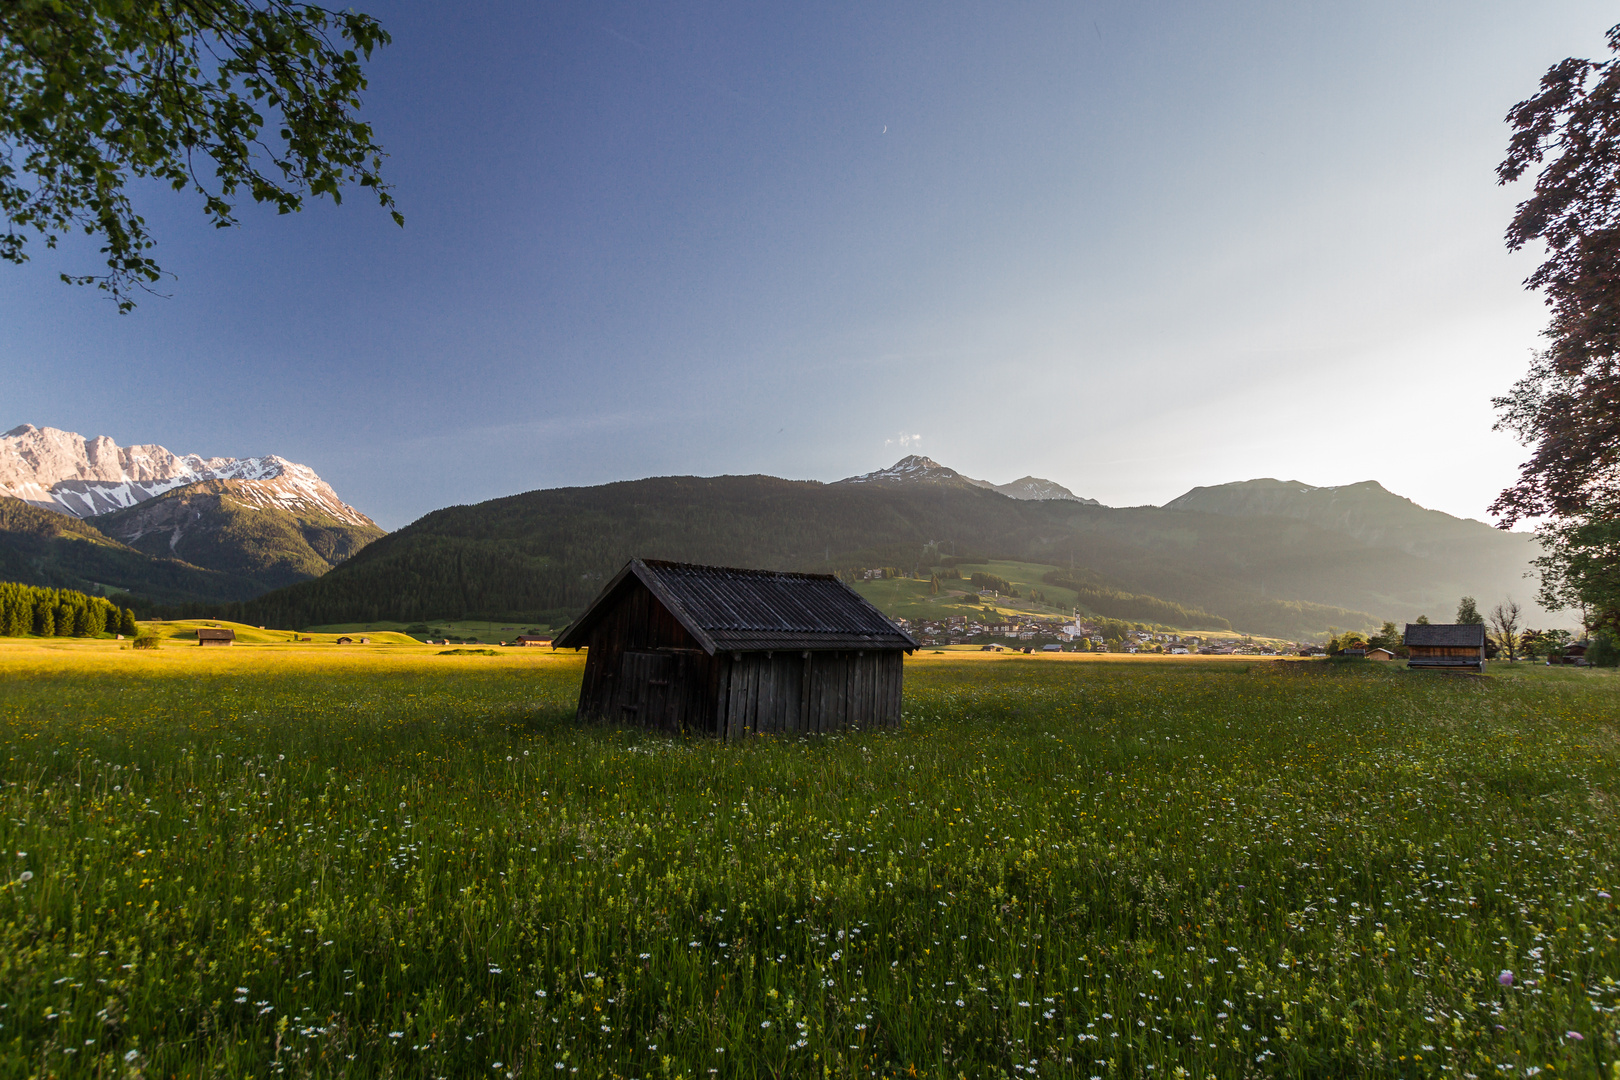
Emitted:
<point x="216" y="635"/>
<point x="727" y="652"/>
<point x="1446" y="645"/>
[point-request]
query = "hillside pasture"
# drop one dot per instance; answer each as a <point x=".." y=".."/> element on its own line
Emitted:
<point x="383" y="861"/>
<point x="183" y="631"/>
<point x="909" y="597"/>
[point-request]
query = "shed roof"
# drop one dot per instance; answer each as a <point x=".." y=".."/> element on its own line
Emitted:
<point x="1446" y="635"/>
<point x="215" y="633"/>
<point x="733" y="610"/>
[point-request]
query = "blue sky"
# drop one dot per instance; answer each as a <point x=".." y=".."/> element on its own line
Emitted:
<point x="1130" y="247"/>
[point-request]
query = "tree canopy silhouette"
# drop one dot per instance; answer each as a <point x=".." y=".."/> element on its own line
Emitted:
<point x="220" y="97"/>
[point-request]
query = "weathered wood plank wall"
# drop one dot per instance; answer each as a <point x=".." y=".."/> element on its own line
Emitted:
<point x="643" y="667"/>
<point x="766" y="693"/>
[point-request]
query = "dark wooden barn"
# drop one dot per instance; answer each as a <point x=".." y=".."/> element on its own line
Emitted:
<point x="717" y="651"/>
<point x="1446" y="645"/>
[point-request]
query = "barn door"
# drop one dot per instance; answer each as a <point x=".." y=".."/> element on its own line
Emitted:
<point x="651" y="690"/>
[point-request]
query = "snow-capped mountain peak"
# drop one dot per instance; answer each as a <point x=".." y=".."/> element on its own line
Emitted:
<point x="63" y="471"/>
<point x="916" y="469"/>
<point x="1033" y="487"/>
<point x="913" y="468"/>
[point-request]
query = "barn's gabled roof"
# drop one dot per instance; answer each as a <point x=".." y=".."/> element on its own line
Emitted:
<point x="731" y="610"/>
<point x="1446" y="635"/>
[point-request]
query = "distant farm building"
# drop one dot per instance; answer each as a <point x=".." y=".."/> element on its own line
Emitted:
<point x="216" y="635"/>
<point x="532" y="640"/>
<point x="345" y="641"/>
<point x="1380" y="654"/>
<point x="1574" y="654"/>
<point x="1446" y="645"/>
<point x="727" y="652"/>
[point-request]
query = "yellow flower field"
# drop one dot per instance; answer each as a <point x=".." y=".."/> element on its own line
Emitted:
<point x="318" y="860"/>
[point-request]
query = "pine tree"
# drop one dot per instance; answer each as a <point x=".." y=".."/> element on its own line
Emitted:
<point x="126" y="623"/>
<point x="45" y="620"/>
<point x="1468" y="613"/>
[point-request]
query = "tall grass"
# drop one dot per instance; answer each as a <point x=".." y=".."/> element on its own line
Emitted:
<point x="254" y="864"/>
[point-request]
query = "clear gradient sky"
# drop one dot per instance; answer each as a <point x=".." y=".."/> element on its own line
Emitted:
<point x="1131" y="247"/>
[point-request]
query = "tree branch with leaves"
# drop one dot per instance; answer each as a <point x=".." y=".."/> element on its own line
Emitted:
<point x="224" y="98"/>
<point x="1567" y="407"/>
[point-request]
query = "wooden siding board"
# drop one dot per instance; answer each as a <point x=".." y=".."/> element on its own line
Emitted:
<point x="802" y="722"/>
<point x="751" y="710"/>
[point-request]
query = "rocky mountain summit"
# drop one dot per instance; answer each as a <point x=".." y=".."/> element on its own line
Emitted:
<point x="63" y="471"/>
<point x="916" y="469"/>
<point x="89" y="514"/>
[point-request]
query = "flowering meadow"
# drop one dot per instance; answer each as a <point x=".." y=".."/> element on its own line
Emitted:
<point x="277" y="861"/>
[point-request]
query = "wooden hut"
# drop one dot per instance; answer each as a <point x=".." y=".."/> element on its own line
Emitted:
<point x="725" y="652"/>
<point x="1573" y="654"/>
<point x="1446" y="645"/>
<point x="216" y="635"/>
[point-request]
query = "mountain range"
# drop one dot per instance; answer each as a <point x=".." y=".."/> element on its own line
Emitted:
<point x="268" y="541"/>
<point x="89" y="514"/>
<point x="1266" y="556"/>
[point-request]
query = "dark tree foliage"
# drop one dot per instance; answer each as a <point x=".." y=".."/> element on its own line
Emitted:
<point x="221" y="97"/>
<point x="993" y="582"/>
<point x="1568" y="407"/>
<point x="1580" y="567"/>
<point x="1604" y="651"/>
<point x="1129" y="606"/>
<point x="1389" y="637"/>
<point x="26" y="609"/>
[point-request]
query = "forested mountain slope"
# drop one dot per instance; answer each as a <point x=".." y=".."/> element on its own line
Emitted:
<point x="224" y="525"/>
<point x="46" y="548"/>
<point x="545" y="553"/>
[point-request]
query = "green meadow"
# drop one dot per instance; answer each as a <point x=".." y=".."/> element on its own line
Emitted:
<point x="909" y="598"/>
<point x="373" y="861"/>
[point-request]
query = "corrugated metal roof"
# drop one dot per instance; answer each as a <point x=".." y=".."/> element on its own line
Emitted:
<point x="1446" y="635"/>
<point x="735" y="610"/>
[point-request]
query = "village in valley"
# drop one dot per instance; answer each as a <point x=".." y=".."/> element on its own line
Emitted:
<point x="1033" y="633"/>
<point x="1004" y="615"/>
